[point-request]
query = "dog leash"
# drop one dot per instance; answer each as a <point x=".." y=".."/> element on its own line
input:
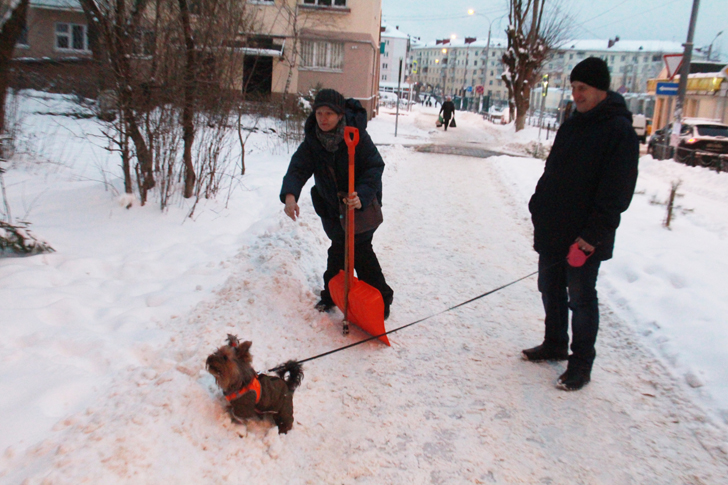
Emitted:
<point x="374" y="337"/>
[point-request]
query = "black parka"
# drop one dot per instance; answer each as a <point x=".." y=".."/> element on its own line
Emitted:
<point x="447" y="110"/>
<point x="312" y="159"/>
<point x="588" y="180"/>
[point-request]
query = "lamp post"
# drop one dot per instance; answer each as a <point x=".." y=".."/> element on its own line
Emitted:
<point x="487" y="44"/>
<point x="444" y="71"/>
<point x="710" y="48"/>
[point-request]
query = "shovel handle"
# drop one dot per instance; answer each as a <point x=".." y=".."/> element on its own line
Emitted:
<point x="351" y="137"/>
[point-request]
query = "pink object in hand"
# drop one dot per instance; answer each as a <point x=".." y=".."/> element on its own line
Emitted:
<point x="576" y="256"/>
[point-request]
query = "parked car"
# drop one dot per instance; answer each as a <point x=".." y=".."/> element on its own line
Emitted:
<point x="702" y="142"/>
<point x="639" y="123"/>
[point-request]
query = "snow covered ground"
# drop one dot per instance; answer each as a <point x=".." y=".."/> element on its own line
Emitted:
<point x="102" y="374"/>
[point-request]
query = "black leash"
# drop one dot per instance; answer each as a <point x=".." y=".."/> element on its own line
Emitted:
<point x="275" y="369"/>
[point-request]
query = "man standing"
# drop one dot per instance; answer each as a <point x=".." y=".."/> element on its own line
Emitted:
<point x="588" y="181"/>
<point x="447" y="110"/>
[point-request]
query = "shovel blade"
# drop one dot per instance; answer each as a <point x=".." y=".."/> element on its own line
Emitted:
<point x="366" y="306"/>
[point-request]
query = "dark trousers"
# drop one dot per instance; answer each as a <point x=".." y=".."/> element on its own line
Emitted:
<point x="445" y="122"/>
<point x="565" y="288"/>
<point x="366" y="263"/>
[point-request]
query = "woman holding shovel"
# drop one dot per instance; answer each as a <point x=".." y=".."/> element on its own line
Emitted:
<point x="323" y="154"/>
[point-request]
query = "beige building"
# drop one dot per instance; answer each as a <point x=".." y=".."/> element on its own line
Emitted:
<point x="55" y="29"/>
<point x="337" y="46"/>
<point x="706" y="95"/>
<point x="295" y="45"/>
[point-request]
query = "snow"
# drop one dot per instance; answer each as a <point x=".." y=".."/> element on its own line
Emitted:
<point x="102" y="375"/>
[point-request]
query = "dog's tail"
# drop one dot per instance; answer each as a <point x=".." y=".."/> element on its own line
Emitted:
<point x="294" y="376"/>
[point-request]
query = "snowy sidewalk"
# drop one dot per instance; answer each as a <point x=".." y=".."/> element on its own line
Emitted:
<point x="451" y="402"/>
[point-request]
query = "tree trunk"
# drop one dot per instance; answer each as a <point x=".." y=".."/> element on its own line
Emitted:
<point x="188" y="127"/>
<point x="9" y="34"/>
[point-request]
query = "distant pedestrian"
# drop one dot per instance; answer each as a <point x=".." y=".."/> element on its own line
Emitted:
<point x="447" y="111"/>
<point x="588" y="181"/>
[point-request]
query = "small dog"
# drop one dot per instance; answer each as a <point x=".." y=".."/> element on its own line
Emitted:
<point x="251" y="394"/>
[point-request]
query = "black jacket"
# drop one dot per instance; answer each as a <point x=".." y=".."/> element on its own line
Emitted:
<point x="312" y="159"/>
<point x="447" y="109"/>
<point x="588" y="180"/>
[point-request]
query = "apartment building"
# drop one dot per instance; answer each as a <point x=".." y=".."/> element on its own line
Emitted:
<point x="464" y="67"/>
<point x="294" y="46"/>
<point x="336" y="42"/>
<point x="395" y="46"/>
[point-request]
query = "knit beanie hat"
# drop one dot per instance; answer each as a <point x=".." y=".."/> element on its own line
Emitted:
<point x="592" y="71"/>
<point x="331" y="98"/>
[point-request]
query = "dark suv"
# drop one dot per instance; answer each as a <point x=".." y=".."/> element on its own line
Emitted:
<point x="702" y="142"/>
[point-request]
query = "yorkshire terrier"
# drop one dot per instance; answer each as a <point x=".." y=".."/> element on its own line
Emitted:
<point x="251" y="394"/>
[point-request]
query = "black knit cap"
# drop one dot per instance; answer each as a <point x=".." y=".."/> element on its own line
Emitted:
<point x="592" y="71"/>
<point x="331" y="98"/>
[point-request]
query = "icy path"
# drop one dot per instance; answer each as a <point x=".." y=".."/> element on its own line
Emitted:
<point x="451" y="402"/>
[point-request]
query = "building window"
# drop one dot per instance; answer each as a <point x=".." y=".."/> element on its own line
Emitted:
<point x="144" y="41"/>
<point x="322" y="55"/>
<point x="23" y="38"/>
<point x="326" y="3"/>
<point x="71" y="37"/>
<point x="384" y="66"/>
<point x="384" y="78"/>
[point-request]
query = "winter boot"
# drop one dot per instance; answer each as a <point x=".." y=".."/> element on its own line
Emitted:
<point x="324" y="305"/>
<point x="387" y="304"/>
<point x="574" y="378"/>
<point x="544" y="352"/>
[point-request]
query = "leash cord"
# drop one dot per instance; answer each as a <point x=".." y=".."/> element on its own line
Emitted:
<point x="280" y="367"/>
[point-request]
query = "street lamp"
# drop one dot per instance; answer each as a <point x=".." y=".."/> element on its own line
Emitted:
<point x="710" y="48"/>
<point x="487" y="45"/>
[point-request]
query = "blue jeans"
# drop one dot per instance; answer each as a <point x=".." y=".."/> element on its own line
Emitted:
<point x="565" y="288"/>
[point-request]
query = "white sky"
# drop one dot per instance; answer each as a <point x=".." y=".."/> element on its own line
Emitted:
<point x="630" y="20"/>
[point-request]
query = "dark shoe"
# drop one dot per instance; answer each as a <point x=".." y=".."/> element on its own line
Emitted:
<point x="543" y="352"/>
<point x="387" y="303"/>
<point x="574" y="378"/>
<point x="324" y="305"/>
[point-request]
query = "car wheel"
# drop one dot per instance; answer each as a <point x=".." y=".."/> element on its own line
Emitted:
<point x="685" y="156"/>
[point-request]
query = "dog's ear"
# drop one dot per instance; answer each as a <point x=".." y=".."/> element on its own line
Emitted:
<point x="242" y="351"/>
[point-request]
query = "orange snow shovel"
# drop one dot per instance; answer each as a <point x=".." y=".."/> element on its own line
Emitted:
<point x="361" y="303"/>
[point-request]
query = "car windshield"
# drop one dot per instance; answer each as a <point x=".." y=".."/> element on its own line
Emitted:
<point x="712" y="130"/>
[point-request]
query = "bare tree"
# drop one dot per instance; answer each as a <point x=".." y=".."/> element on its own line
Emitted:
<point x="12" y="22"/>
<point x="188" y="127"/>
<point x="533" y="34"/>
<point x="116" y="26"/>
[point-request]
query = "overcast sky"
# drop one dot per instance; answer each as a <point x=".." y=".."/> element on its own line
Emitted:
<point x="593" y="19"/>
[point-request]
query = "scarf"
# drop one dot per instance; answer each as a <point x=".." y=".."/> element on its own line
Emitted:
<point x="331" y="139"/>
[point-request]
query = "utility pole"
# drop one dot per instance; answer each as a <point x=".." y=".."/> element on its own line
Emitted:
<point x="544" y="92"/>
<point x="684" y="72"/>
<point x="399" y="81"/>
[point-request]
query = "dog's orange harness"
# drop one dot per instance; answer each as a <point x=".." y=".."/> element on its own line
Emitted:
<point x="253" y="386"/>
